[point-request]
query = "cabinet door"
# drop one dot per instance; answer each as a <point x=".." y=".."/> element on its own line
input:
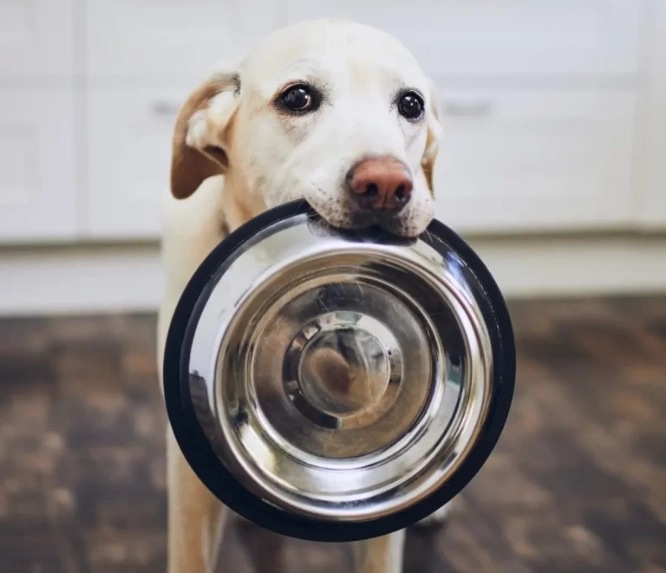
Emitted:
<point x="535" y="161"/>
<point x="129" y="132"/>
<point x="652" y="213"/>
<point x="652" y="206"/>
<point x="37" y="183"/>
<point x="35" y="37"/>
<point x="492" y="37"/>
<point x="171" y="37"/>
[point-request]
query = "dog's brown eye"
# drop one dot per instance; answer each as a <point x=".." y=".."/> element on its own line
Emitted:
<point x="298" y="98"/>
<point x="411" y="106"/>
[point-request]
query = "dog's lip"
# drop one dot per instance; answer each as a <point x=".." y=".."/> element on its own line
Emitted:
<point x="354" y="218"/>
<point x="374" y="233"/>
<point x="373" y="223"/>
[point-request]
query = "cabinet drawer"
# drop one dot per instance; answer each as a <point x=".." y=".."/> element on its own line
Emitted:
<point x="535" y="161"/>
<point x="171" y="37"/>
<point x="35" y="37"/>
<point x="492" y="37"/>
<point x="37" y="184"/>
<point x="129" y="132"/>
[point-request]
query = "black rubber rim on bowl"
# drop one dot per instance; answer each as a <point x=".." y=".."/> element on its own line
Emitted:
<point x="210" y="470"/>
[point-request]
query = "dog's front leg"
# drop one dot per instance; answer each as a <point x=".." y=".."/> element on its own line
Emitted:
<point x="381" y="554"/>
<point x="196" y="517"/>
<point x="192" y="228"/>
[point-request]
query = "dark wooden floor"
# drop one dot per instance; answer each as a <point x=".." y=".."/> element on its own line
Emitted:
<point x="578" y="482"/>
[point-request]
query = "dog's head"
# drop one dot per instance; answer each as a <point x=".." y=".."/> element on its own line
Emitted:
<point x="331" y="111"/>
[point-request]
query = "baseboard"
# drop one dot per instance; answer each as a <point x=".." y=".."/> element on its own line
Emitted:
<point x="125" y="278"/>
<point x="80" y="280"/>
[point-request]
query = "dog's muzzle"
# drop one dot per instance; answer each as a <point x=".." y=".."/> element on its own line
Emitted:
<point x="337" y="385"/>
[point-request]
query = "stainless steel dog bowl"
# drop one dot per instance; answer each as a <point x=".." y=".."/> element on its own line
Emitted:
<point x="336" y="385"/>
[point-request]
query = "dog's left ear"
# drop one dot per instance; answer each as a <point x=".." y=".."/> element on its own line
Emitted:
<point x="434" y="133"/>
<point x="201" y="134"/>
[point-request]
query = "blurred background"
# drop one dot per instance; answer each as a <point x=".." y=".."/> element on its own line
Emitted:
<point x="552" y="166"/>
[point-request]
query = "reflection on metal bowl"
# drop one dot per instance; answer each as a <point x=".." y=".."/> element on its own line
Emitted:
<point x="336" y="385"/>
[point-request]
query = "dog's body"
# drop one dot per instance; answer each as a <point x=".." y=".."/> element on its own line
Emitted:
<point x="330" y="111"/>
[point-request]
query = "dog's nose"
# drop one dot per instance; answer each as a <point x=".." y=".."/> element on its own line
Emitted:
<point x="380" y="183"/>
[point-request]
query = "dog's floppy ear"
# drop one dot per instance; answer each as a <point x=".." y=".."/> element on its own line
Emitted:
<point x="202" y="130"/>
<point x="434" y="133"/>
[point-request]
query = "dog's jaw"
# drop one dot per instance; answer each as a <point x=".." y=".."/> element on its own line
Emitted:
<point x="335" y="205"/>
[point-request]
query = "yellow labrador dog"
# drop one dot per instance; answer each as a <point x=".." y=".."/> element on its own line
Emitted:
<point x="331" y="111"/>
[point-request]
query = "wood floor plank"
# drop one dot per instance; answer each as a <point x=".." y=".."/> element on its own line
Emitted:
<point x="576" y="484"/>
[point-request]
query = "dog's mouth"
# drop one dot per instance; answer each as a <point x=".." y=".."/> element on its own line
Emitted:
<point x="340" y="211"/>
<point x="382" y="225"/>
<point x="383" y="222"/>
<point x="363" y="233"/>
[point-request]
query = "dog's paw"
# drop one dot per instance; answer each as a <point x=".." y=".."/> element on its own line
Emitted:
<point x="437" y="519"/>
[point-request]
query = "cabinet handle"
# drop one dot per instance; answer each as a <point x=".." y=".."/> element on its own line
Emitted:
<point x="468" y="109"/>
<point x="164" y="108"/>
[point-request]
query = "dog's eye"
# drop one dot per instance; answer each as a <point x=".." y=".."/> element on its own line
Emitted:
<point x="298" y="98"/>
<point x="411" y="106"/>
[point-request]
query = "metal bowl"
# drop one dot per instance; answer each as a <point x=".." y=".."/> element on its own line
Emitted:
<point x="335" y="385"/>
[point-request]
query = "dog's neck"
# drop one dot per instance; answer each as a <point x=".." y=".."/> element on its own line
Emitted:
<point x="239" y="204"/>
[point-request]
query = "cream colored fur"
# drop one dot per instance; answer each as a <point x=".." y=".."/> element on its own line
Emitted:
<point x="235" y="154"/>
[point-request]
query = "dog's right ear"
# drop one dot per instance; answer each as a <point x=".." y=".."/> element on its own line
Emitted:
<point x="201" y="134"/>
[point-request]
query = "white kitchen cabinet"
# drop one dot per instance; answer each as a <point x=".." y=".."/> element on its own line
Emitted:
<point x="36" y="38"/>
<point x="651" y="182"/>
<point x="535" y="160"/>
<point x="128" y="156"/>
<point x="501" y="37"/>
<point x="38" y="193"/>
<point x="144" y="38"/>
<point x="652" y="213"/>
<point x="539" y="100"/>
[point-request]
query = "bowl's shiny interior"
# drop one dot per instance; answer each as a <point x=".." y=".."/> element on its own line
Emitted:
<point x="337" y="376"/>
